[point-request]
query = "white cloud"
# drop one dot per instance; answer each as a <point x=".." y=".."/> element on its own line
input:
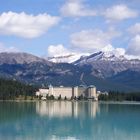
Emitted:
<point x="134" y="46"/>
<point x="135" y="29"/>
<point x="58" y="50"/>
<point x="8" y="49"/>
<point x="93" y="40"/>
<point x="119" y="12"/>
<point x="120" y="51"/>
<point x="24" y="25"/>
<point x="76" y="8"/>
<point x="116" y="51"/>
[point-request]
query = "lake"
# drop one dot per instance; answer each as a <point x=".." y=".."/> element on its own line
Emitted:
<point x="66" y="120"/>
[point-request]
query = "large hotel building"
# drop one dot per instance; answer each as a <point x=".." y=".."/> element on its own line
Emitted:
<point x="69" y="92"/>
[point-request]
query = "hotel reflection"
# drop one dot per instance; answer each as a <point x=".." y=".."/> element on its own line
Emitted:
<point x="62" y="109"/>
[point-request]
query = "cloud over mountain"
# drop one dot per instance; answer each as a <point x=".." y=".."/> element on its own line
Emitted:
<point x="3" y="48"/>
<point x="24" y="25"/>
<point x="58" y="50"/>
<point x="135" y="29"/>
<point x="93" y="40"/>
<point x="134" y="46"/>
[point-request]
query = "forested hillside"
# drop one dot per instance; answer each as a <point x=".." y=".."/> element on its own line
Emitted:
<point x="10" y="89"/>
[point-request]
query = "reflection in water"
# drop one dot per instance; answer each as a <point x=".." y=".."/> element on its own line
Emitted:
<point x="64" y="120"/>
<point x="67" y="109"/>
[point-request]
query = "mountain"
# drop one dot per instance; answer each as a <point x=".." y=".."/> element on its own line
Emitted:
<point x="128" y="77"/>
<point x="96" y="69"/>
<point x="57" y="74"/>
<point x="107" y="64"/>
<point x="19" y="58"/>
<point x="100" y="56"/>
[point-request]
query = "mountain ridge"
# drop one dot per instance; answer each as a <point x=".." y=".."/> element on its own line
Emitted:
<point x="101" y="73"/>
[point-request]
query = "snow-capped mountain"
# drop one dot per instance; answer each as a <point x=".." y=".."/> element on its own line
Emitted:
<point x="103" y="64"/>
<point x="106" y="64"/>
<point x="70" y="58"/>
<point x="79" y="58"/>
<point x="101" y="56"/>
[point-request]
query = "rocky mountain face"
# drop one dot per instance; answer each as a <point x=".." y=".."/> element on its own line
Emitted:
<point x="104" y="65"/>
<point x="100" y="69"/>
<point x="19" y="58"/>
<point x="128" y="77"/>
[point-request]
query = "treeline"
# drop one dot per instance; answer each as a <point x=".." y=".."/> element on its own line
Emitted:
<point x="10" y="90"/>
<point x="119" y="96"/>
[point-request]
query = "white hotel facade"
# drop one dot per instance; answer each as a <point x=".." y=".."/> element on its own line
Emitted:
<point x="69" y="92"/>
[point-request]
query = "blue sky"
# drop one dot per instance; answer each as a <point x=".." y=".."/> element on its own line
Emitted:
<point x="50" y="27"/>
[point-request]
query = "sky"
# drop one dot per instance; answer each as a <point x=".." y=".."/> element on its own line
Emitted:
<point x="63" y="27"/>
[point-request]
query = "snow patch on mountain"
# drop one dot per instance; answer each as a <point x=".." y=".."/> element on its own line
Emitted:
<point x="68" y="58"/>
<point x="101" y="56"/>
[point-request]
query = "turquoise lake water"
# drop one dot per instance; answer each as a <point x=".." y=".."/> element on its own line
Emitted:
<point x="65" y="120"/>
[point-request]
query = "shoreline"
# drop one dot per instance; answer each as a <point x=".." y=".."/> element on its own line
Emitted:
<point x="99" y="102"/>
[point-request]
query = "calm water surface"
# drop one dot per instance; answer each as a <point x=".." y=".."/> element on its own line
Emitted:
<point x="60" y="120"/>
